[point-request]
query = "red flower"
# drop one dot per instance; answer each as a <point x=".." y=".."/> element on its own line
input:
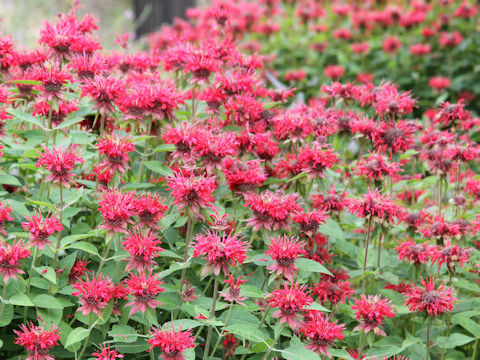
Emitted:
<point x="243" y="176"/>
<point x="372" y="310"/>
<point x="334" y="71"/>
<point x="309" y="221"/>
<point x="330" y="202"/>
<point x="77" y="271"/>
<point x="94" y="294"/>
<point x="150" y="209"/>
<point x="321" y="332"/>
<point x="142" y="247"/>
<point x="315" y="159"/>
<point x="220" y="251"/>
<point x="439" y="82"/>
<point x="451" y="255"/>
<point x="105" y="91"/>
<point x="145" y="289"/>
<point x="116" y="150"/>
<point x="453" y="114"/>
<point x="230" y="344"/>
<point x="40" y="229"/>
<point x="172" y="343"/>
<point x="58" y="114"/>
<point x="192" y="193"/>
<point x="60" y="162"/>
<point x="375" y="205"/>
<point x="415" y="253"/>
<point x="5" y="216"/>
<point x="53" y="79"/>
<point x="117" y="209"/>
<point x="420" y="49"/>
<point x="10" y="257"/>
<point x="394" y="138"/>
<point x="429" y="299"/>
<point x="375" y="167"/>
<point x="332" y="289"/>
<point x="291" y="301"/>
<point x="389" y="101"/>
<point x="402" y="287"/>
<point x="440" y="229"/>
<point x="233" y="293"/>
<point x="391" y="44"/>
<point x="106" y="353"/>
<point x="284" y="251"/>
<point x="271" y="210"/>
<point x="37" y="340"/>
<point x="450" y="39"/>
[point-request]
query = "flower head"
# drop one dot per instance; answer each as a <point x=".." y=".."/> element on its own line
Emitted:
<point x="105" y="353"/>
<point x="375" y="205"/>
<point x="40" y="229"/>
<point x="145" y="289"/>
<point x="60" y="162"/>
<point x="192" y="193"/>
<point x="284" y="251"/>
<point x="430" y="299"/>
<point x="5" y="216"/>
<point x="117" y="209"/>
<point x="332" y="289"/>
<point x="220" y="252"/>
<point x="172" y="343"/>
<point x="149" y="208"/>
<point x="291" y="301"/>
<point x="94" y="294"/>
<point x="371" y="311"/>
<point x="10" y="257"/>
<point x="320" y="332"/>
<point x="37" y="340"/>
<point x="143" y="247"/>
<point x="116" y="150"/>
<point x="243" y="176"/>
<point x="451" y="255"/>
<point x="414" y="252"/>
<point x="233" y="293"/>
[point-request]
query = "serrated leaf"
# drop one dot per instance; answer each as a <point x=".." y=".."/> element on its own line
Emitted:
<point x="47" y="302"/>
<point x="76" y="335"/>
<point x="69" y="122"/>
<point x="310" y="266"/>
<point x="7" y="315"/>
<point x="20" y="300"/>
<point x="299" y="352"/>
<point x="6" y="179"/>
<point x="246" y="331"/>
<point x="48" y="273"/>
<point x="331" y="228"/>
<point x="27" y="117"/>
<point x="454" y="340"/>
<point x="251" y="291"/>
<point x="158" y="167"/>
<point x="84" y="246"/>
<point x="123" y="333"/>
<point x="165" y="147"/>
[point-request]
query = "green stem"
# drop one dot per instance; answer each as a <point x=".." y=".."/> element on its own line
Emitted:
<point x="145" y="150"/>
<point x="212" y="315"/>
<point x="34" y="259"/>
<point x="274" y="342"/>
<point x="367" y="242"/>
<point x="4" y="295"/>
<point x="475" y="349"/>
<point x="105" y="253"/>
<point x="428" y="341"/>
<point x="220" y="337"/>
<point x="90" y="318"/>
<point x="59" y="238"/>
<point x="265" y="314"/>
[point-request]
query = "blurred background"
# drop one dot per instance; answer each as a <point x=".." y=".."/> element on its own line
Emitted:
<point x="24" y="18"/>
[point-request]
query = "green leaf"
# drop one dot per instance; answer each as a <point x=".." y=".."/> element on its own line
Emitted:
<point x="26" y="82"/>
<point x="7" y="315"/>
<point x="184" y="323"/>
<point x="468" y="324"/>
<point x="331" y="228"/>
<point x="251" y="291"/>
<point x="246" y="331"/>
<point x="317" y="306"/>
<point x="310" y="266"/>
<point x="69" y="122"/>
<point x="454" y="340"/>
<point x="299" y="352"/>
<point x="41" y="203"/>
<point x="27" y="117"/>
<point x="76" y="335"/>
<point x="159" y="168"/>
<point x="6" y="179"/>
<point x="165" y="147"/>
<point x="387" y="351"/>
<point x="123" y="333"/>
<point x="84" y="246"/>
<point x="47" y="302"/>
<point x="20" y="300"/>
<point x="48" y="273"/>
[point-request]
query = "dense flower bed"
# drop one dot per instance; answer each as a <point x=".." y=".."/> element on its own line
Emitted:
<point x="182" y="203"/>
